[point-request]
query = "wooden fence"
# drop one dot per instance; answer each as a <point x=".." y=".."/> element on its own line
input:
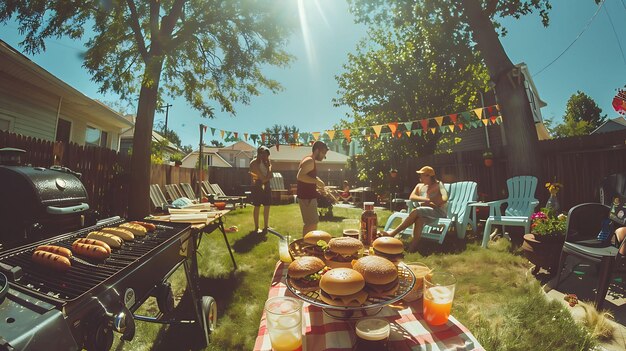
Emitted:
<point x="579" y="163"/>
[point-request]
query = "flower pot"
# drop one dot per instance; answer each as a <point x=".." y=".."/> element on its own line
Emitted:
<point x="553" y="203"/>
<point x="488" y="162"/>
<point x="543" y="251"/>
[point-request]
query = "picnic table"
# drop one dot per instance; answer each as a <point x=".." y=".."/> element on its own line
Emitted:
<point x="409" y="330"/>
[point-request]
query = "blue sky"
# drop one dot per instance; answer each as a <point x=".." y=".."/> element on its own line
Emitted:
<point x="594" y="65"/>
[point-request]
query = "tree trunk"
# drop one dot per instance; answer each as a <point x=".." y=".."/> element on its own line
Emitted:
<point x="517" y="118"/>
<point x="139" y="196"/>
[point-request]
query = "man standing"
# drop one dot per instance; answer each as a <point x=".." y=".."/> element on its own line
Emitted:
<point x="261" y="172"/>
<point x="308" y="182"/>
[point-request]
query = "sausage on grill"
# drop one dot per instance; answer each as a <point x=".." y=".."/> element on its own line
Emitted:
<point x="50" y="260"/>
<point x="55" y="250"/>
<point x="120" y="232"/>
<point x="93" y="242"/>
<point x="149" y="226"/>
<point x="113" y="241"/>
<point x="92" y="251"/>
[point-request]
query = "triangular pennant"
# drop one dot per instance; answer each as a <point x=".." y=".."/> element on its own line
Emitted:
<point x="245" y="135"/>
<point x="346" y="133"/>
<point x="419" y="132"/>
<point x="432" y="130"/>
<point x="316" y="136"/>
<point x="236" y="135"/>
<point x="493" y="118"/>
<point x="485" y="121"/>
<point x="499" y="120"/>
<point x="460" y="126"/>
<point x="228" y="134"/>
<point x="213" y="131"/>
<point x="424" y="123"/>
<point x="453" y="117"/>
<point x="295" y="137"/>
<point x="263" y="137"/>
<point x="408" y="125"/>
<point x="254" y="137"/>
<point x="222" y="133"/>
<point x="479" y="112"/>
<point x="377" y="129"/>
<point x="393" y="126"/>
<point x="331" y="134"/>
<point x="439" y="120"/>
<point x="408" y="133"/>
<point x="443" y="129"/>
<point x="204" y="129"/>
<point x="467" y="117"/>
<point x="451" y="127"/>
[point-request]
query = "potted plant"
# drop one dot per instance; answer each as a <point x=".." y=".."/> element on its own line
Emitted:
<point x="177" y="159"/>
<point x="543" y="245"/>
<point x="488" y="158"/>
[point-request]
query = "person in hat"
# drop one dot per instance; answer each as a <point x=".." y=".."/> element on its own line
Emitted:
<point x="308" y="182"/>
<point x="261" y="172"/>
<point x="433" y="200"/>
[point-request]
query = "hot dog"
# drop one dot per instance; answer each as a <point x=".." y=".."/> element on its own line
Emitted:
<point x="50" y="260"/>
<point x="136" y="229"/>
<point x="93" y="242"/>
<point x="93" y="251"/>
<point x="55" y="250"/>
<point x="113" y="241"/>
<point x="121" y="232"/>
<point x="149" y="226"/>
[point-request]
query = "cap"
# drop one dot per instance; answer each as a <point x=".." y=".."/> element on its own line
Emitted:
<point x="429" y="171"/>
<point x="263" y="149"/>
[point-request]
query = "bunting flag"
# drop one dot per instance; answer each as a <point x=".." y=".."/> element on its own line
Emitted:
<point x="467" y="117"/>
<point x="479" y="112"/>
<point x="295" y="136"/>
<point x="245" y="135"/>
<point x="254" y="138"/>
<point x="204" y="129"/>
<point x="451" y="127"/>
<point x="316" y="136"/>
<point x="377" y="129"/>
<point x="493" y="118"/>
<point x="408" y="126"/>
<point x="443" y="129"/>
<point x="346" y="133"/>
<point x="439" y="120"/>
<point x="453" y="117"/>
<point x="331" y="134"/>
<point x="485" y="121"/>
<point x="213" y="131"/>
<point x="424" y="123"/>
<point x="408" y="133"/>
<point x="222" y="133"/>
<point x="393" y="127"/>
<point x="236" y="135"/>
<point x="263" y="136"/>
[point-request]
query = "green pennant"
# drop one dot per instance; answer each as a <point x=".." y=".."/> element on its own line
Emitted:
<point x="443" y="129"/>
<point x="467" y="117"/>
<point x="419" y="132"/>
<point x="213" y="131"/>
<point x="408" y="125"/>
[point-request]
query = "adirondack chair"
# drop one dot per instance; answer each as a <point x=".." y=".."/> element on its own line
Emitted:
<point x="159" y="202"/>
<point x="188" y="191"/>
<point x="520" y="206"/>
<point x="279" y="193"/>
<point x="460" y="194"/>
<point x="173" y="191"/>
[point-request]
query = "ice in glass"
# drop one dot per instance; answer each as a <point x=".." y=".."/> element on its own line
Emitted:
<point x="284" y="323"/>
<point x="439" y="290"/>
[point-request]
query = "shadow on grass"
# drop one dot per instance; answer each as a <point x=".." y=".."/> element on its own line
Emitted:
<point x="332" y="219"/>
<point x="190" y="336"/>
<point x="246" y="243"/>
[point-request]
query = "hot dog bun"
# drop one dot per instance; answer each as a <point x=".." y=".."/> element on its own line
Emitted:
<point x="91" y="251"/>
<point x="55" y="250"/>
<point x="125" y="234"/>
<point x="113" y="241"/>
<point x="50" y="260"/>
<point x="93" y="242"/>
<point x="149" y="226"/>
<point x="136" y="229"/>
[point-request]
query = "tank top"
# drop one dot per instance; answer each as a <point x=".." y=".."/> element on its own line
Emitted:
<point x="308" y="191"/>
<point x="430" y="192"/>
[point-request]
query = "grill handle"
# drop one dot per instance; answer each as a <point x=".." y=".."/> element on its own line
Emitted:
<point x="66" y="210"/>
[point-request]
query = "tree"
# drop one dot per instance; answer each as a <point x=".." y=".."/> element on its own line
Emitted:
<point x="278" y="134"/>
<point x="583" y="111"/>
<point x="477" y="18"/>
<point x="168" y="134"/>
<point x="411" y="72"/>
<point x="202" y="50"/>
<point x="217" y="143"/>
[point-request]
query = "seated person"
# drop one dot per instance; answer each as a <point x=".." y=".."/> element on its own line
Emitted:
<point x="345" y="194"/>
<point x="433" y="199"/>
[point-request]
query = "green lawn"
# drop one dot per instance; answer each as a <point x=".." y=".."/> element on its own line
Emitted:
<point x="495" y="298"/>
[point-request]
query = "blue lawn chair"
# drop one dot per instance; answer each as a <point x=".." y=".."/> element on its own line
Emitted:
<point x="460" y="194"/>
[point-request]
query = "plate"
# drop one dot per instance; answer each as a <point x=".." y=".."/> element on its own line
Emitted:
<point x="406" y="281"/>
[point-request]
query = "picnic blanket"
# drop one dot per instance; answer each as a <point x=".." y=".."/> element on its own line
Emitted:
<point x="409" y="330"/>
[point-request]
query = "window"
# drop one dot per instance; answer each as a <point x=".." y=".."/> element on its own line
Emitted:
<point x="207" y="160"/>
<point x="96" y="137"/>
<point x="63" y="130"/>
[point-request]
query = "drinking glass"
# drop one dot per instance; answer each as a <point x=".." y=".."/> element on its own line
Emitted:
<point x="438" y="295"/>
<point x="372" y="334"/>
<point x="420" y="270"/>
<point x="351" y="228"/>
<point x="284" y="323"/>
<point x="283" y="248"/>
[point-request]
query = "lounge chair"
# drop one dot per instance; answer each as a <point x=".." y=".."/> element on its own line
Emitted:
<point x="279" y="193"/>
<point x="188" y="191"/>
<point x="520" y="206"/>
<point x="173" y="191"/>
<point x="460" y="195"/>
<point x="159" y="202"/>
<point x="219" y="195"/>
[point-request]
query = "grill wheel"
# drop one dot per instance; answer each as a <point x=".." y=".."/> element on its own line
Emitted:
<point x="101" y="339"/>
<point x="209" y="314"/>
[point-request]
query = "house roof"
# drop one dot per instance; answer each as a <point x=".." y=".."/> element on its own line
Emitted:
<point x="21" y="67"/>
<point x="611" y="124"/>
<point x="205" y="151"/>
<point x="130" y="132"/>
<point x="240" y="146"/>
<point x="288" y="153"/>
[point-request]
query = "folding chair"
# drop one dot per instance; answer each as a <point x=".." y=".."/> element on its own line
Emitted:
<point x="221" y="196"/>
<point x="188" y="191"/>
<point x="157" y="198"/>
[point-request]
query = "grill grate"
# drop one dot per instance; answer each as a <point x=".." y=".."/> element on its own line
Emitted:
<point x="83" y="276"/>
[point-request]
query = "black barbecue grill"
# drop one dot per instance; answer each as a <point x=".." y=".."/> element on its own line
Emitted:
<point x="80" y="308"/>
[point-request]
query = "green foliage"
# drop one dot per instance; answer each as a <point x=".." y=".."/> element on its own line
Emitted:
<point x="176" y="157"/>
<point x="278" y="134"/>
<point x="582" y="116"/>
<point x="156" y="154"/>
<point x="547" y="222"/>
<point x="216" y="143"/>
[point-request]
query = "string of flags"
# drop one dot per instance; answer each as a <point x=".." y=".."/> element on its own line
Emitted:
<point x="478" y="117"/>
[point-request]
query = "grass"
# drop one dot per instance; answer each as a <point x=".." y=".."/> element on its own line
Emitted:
<point x="495" y="298"/>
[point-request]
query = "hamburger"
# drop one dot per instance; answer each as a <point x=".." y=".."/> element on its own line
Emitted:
<point x="312" y="239"/>
<point x="343" y="287"/>
<point x="389" y="248"/>
<point x="341" y="251"/>
<point x="381" y="276"/>
<point x="304" y="273"/>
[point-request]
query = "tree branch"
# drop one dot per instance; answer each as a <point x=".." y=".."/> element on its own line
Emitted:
<point x="134" y="24"/>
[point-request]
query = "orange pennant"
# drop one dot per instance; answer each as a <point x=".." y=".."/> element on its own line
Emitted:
<point x="439" y="120"/>
<point x="346" y="133"/>
<point x="393" y="127"/>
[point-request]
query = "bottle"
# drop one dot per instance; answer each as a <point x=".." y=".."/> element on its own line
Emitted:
<point x="369" y="224"/>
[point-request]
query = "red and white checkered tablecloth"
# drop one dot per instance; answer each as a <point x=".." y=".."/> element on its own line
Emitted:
<point x="409" y="330"/>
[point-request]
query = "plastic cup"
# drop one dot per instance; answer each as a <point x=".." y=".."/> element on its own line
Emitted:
<point x="284" y="323"/>
<point x="351" y="228"/>
<point x="283" y="249"/>
<point x="372" y="334"/>
<point x="420" y="270"/>
<point x="439" y="290"/>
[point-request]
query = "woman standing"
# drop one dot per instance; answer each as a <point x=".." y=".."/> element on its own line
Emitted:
<point x="433" y="199"/>
<point x="261" y="172"/>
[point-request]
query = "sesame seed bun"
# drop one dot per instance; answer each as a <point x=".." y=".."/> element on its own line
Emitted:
<point x="388" y="245"/>
<point x="376" y="270"/>
<point x="342" y="282"/>
<point x="345" y="245"/>
<point x="314" y="236"/>
<point x="304" y="266"/>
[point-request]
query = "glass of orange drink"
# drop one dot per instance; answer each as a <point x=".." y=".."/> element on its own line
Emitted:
<point x="284" y="323"/>
<point x="438" y="295"/>
<point x="420" y="270"/>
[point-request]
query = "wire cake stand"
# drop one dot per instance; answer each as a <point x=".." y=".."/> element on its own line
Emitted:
<point x="373" y="305"/>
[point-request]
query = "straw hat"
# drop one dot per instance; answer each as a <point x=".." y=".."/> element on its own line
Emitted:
<point x="429" y="171"/>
